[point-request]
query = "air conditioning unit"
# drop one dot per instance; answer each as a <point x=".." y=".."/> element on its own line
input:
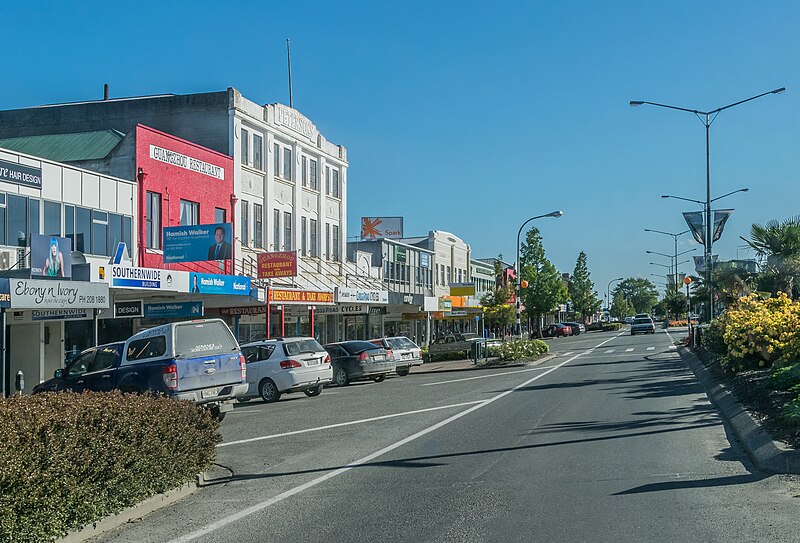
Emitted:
<point x="6" y="259"/>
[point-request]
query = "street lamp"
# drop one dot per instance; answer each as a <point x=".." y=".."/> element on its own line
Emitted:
<point x="608" y="292"/>
<point x="707" y="118"/>
<point x="675" y="239"/>
<point x="553" y="214"/>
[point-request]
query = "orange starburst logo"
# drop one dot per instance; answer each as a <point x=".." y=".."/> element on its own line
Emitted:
<point x="369" y="228"/>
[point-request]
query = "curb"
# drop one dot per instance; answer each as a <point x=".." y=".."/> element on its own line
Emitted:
<point x="766" y="453"/>
<point x="129" y="514"/>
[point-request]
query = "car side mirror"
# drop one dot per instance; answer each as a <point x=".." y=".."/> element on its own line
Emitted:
<point x="59" y="373"/>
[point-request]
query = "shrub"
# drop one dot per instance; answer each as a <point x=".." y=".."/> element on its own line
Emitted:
<point x="711" y="337"/>
<point x="519" y="349"/>
<point x="790" y="413"/>
<point x="69" y="459"/>
<point x="612" y="326"/>
<point x="785" y="378"/>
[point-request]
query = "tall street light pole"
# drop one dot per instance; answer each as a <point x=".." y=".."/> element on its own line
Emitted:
<point x="553" y="214"/>
<point x="608" y="293"/>
<point x="707" y="118"/>
<point x="675" y="239"/>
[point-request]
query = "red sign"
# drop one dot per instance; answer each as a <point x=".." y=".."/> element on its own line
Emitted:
<point x="280" y="264"/>
<point x="307" y="297"/>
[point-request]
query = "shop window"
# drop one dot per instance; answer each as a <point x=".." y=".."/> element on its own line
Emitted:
<point x="327" y="241"/>
<point x="304" y="170"/>
<point x="287" y="163"/>
<point x="190" y="213"/>
<point x="312" y="238"/>
<point x="83" y="229"/>
<point x="312" y="174"/>
<point x="335" y="183"/>
<point x="276" y="160"/>
<point x="245" y="146"/>
<point x="258" y="154"/>
<point x="245" y="232"/>
<point x="303" y="236"/>
<point x="276" y="230"/>
<point x="99" y="233"/>
<point x="258" y="226"/>
<point x="52" y="218"/>
<point x="287" y="231"/>
<point x="114" y="232"/>
<point x="153" y="220"/>
<point x="33" y="216"/>
<point x="336" y="248"/>
<point x="17" y="212"/>
<point x="219" y="215"/>
<point x="127" y="231"/>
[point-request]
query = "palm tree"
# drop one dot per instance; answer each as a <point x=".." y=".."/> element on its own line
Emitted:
<point x="779" y="244"/>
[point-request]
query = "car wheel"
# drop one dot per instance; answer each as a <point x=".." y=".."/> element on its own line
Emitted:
<point x="311" y="392"/>
<point x="340" y="377"/>
<point x="379" y="378"/>
<point x="220" y="417"/>
<point x="633" y="334"/>
<point x="269" y="391"/>
<point x="402" y="372"/>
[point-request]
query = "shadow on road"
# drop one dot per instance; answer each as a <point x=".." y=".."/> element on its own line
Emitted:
<point x="696" y="483"/>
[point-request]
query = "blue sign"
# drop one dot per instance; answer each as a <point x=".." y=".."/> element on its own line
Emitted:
<point x="169" y="310"/>
<point x="211" y="283"/>
<point x="424" y="260"/>
<point x="198" y="243"/>
<point x="5" y="293"/>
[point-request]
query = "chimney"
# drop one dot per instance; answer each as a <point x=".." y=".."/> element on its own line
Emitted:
<point x="105" y="91"/>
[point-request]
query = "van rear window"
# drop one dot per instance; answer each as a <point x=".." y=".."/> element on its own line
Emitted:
<point x="302" y="346"/>
<point x="195" y="339"/>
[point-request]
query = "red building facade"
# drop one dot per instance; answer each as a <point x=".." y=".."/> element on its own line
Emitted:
<point x="180" y="183"/>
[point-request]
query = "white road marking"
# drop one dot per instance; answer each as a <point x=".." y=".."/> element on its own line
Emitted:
<point x="567" y="354"/>
<point x="629" y="350"/>
<point x="314" y="482"/>
<point x="672" y="347"/>
<point x="651" y="348"/>
<point x="348" y="423"/>
<point x="485" y="376"/>
<point x="609" y="351"/>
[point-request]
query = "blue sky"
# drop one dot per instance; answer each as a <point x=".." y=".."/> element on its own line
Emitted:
<point x="471" y="117"/>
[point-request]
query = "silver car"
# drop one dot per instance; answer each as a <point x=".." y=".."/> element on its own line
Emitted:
<point x="406" y="352"/>
<point x="643" y="325"/>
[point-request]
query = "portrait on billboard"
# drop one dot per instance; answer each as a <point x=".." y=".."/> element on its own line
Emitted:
<point x="221" y="249"/>
<point x="198" y="242"/>
<point x="51" y="256"/>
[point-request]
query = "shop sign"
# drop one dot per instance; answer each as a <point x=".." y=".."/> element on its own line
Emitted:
<point x="19" y="174"/>
<point x="445" y="304"/>
<point x="364" y="296"/>
<point x="5" y="293"/>
<point x="400" y="254"/>
<point x="305" y="297"/>
<point x="413" y="316"/>
<point x="430" y="303"/>
<point x="377" y="311"/>
<point x="173" y="309"/>
<point x="132" y="308"/>
<point x="198" y="242"/>
<point x="373" y="228"/>
<point x="277" y="264"/>
<point x="424" y="260"/>
<point x="58" y="314"/>
<point x="457" y="314"/>
<point x="51" y="256"/>
<point x="462" y="289"/>
<point x="212" y="283"/>
<point x="350" y="309"/>
<point x="246" y="310"/>
<point x="186" y="162"/>
<point x="146" y="278"/>
<point x="42" y="294"/>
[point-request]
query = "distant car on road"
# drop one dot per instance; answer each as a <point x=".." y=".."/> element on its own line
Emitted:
<point x="406" y="352"/>
<point x="195" y="360"/>
<point x="352" y="360"/>
<point x="629" y="320"/>
<point x="557" y="330"/>
<point x="284" y="365"/>
<point x="576" y="327"/>
<point x="643" y="325"/>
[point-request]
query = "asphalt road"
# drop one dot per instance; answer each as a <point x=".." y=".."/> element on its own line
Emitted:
<point x="612" y="440"/>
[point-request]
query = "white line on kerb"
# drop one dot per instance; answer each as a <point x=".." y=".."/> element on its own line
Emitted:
<point x="361" y="461"/>
<point x="485" y="376"/>
<point x="348" y="423"/>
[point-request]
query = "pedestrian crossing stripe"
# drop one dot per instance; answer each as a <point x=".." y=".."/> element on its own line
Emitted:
<point x="609" y="351"/>
<point x="672" y="347"/>
<point x="651" y="348"/>
<point x="628" y="350"/>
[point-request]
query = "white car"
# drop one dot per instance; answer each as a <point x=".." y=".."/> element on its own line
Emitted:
<point x="406" y="352"/>
<point x="277" y="366"/>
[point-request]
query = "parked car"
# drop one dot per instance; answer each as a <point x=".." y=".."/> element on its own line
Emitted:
<point x="643" y="325"/>
<point x="453" y="343"/>
<point x="576" y="328"/>
<point x="285" y="365"/>
<point x="196" y="360"/>
<point x="353" y="360"/>
<point x="629" y="320"/>
<point x="642" y="316"/>
<point x="557" y="330"/>
<point x="406" y="352"/>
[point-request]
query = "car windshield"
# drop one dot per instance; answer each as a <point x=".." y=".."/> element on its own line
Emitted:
<point x="302" y="346"/>
<point x="402" y="343"/>
<point x="357" y="347"/>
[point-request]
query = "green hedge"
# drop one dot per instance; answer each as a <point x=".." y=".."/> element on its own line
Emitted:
<point x="612" y="326"/>
<point x="519" y="349"/>
<point x="69" y="459"/>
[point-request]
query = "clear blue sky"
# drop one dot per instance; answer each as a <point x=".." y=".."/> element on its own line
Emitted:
<point x="472" y="116"/>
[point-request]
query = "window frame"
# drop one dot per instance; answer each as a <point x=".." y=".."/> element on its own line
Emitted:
<point x="245" y="146"/>
<point x="258" y="151"/>
<point x="258" y="226"/>
<point x="244" y="234"/>
<point x="152" y="221"/>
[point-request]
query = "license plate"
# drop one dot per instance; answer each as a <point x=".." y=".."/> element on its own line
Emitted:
<point x="406" y="355"/>
<point x="379" y="358"/>
<point x="312" y="362"/>
<point x="209" y="393"/>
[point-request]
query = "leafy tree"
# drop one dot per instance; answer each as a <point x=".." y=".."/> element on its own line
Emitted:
<point x="641" y="293"/>
<point x="672" y="305"/>
<point x="779" y="243"/>
<point x="498" y="304"/>
<point x="621" y="307"/>
<point x="545" y="288"/>
<point x="581" y="290"/>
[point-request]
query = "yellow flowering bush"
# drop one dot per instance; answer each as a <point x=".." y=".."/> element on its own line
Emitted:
<point x="761" y="332"/>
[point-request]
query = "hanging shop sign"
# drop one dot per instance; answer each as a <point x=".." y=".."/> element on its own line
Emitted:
<point x="277" y="264"/>
<point x="169" y="310"/>
<point x="241" y="311"/>
<point x="19" y="174"/>
<point x="58" y="314"/>
<point x="424" y="260"/>
<point x="43" y="294"/>
<point x="305" y="297"/>
<point x="198" y="242"/>
<point x="462" y="289"/>
<point x="445" y="304"/>
<point x="131" y="308"/>
<point x="363" y="296"/>
<point x="211" y="283"/>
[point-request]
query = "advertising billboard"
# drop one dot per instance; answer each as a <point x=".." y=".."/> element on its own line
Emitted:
<point x="198" y="242"/>
<point x="169" y="310"/>
<point x="381" y="227"/>
<point x="211" y="283"/>
<point x="51" y="256"/>
<point x="277" y="264"/>
<point x="146" y="278"/>
<point x="37" y="294"/>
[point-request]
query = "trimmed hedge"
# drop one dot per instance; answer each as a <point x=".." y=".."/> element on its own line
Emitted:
<point x="69" y="459"/>
<point x="612" y="326"/>
<point x="519" y="349"/>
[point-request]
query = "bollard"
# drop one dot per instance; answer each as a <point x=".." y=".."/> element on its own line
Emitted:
<point x="19" y="382"/>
